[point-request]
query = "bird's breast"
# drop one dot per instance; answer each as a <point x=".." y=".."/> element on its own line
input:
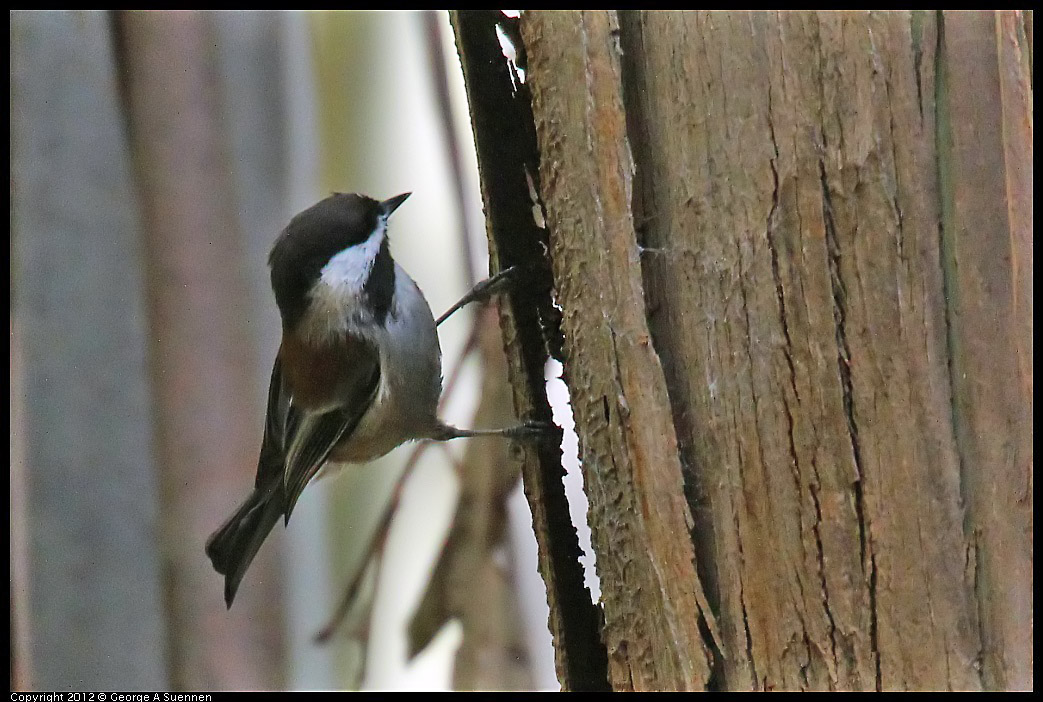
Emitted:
<point x="405" y="406"/>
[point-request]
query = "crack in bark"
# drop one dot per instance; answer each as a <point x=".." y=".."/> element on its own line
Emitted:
<point x="760" y="454"/>
<point x="844" y="369"/>
<point x="950" y="301"/>
<point x="974" y="559"/>
<point x="618" y="377"/>
<point x="816" y="530"/>
<point x="742" y="590"/>
<point x="753" y="391"/>
<point x="783" y="317"/>
<point x="804" y="666"/>
<point x="916" y="36"/>
<point x="769" y="229"/>
<point x="874" y="630"/>
<point x="630" y="37"/>
<point x="749" y="638"/>
<point x="900" y="233"/>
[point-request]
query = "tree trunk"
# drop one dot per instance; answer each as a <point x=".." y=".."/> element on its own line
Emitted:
<point x="793" y="255"/>
<point x="86" y="576"/>
<point x="505" y="141"/>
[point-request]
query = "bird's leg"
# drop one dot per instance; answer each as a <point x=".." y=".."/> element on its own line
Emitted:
<point x="484" y="290"/>
<point x="529" y="431"/>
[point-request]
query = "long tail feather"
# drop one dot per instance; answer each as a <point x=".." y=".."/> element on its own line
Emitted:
<point x="233" y="546"/>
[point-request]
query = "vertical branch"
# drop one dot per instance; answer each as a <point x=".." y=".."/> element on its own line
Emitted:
<point x="654" y="605"/>
<point x="507" y="157"/>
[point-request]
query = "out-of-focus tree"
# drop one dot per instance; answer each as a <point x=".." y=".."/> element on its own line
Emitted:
<point x="88" y="586"/>
<point x="202" y="351"/>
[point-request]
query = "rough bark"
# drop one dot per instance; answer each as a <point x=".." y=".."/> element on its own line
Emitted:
<point x="985" y="181"/>
<point x="507" y="159"/>
<point x="631" y="467"/>
<point x="793" y="253"/>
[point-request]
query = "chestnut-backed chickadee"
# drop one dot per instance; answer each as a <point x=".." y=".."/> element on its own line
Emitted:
<point x="358" y="372"/>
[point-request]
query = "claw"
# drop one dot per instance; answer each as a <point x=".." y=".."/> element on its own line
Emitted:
<point x="536" y="430"/>
<point x="503" y="280"/>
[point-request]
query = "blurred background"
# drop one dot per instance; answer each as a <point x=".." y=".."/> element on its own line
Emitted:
<point x="154" y="158"/>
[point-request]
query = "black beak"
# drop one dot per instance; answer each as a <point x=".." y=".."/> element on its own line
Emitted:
<point x="391" y="204"/>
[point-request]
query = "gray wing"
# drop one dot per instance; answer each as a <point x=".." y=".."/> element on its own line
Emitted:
<point x="314" y="439"/>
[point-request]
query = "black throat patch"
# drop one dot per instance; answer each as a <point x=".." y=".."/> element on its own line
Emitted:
<point x="380" y="286"/>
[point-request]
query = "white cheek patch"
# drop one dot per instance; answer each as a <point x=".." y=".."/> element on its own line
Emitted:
<point x="336" y="299"/>
<point x="347" y="272"/>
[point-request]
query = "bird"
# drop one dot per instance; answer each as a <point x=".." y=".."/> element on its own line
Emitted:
<point x="358" y="370"/>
